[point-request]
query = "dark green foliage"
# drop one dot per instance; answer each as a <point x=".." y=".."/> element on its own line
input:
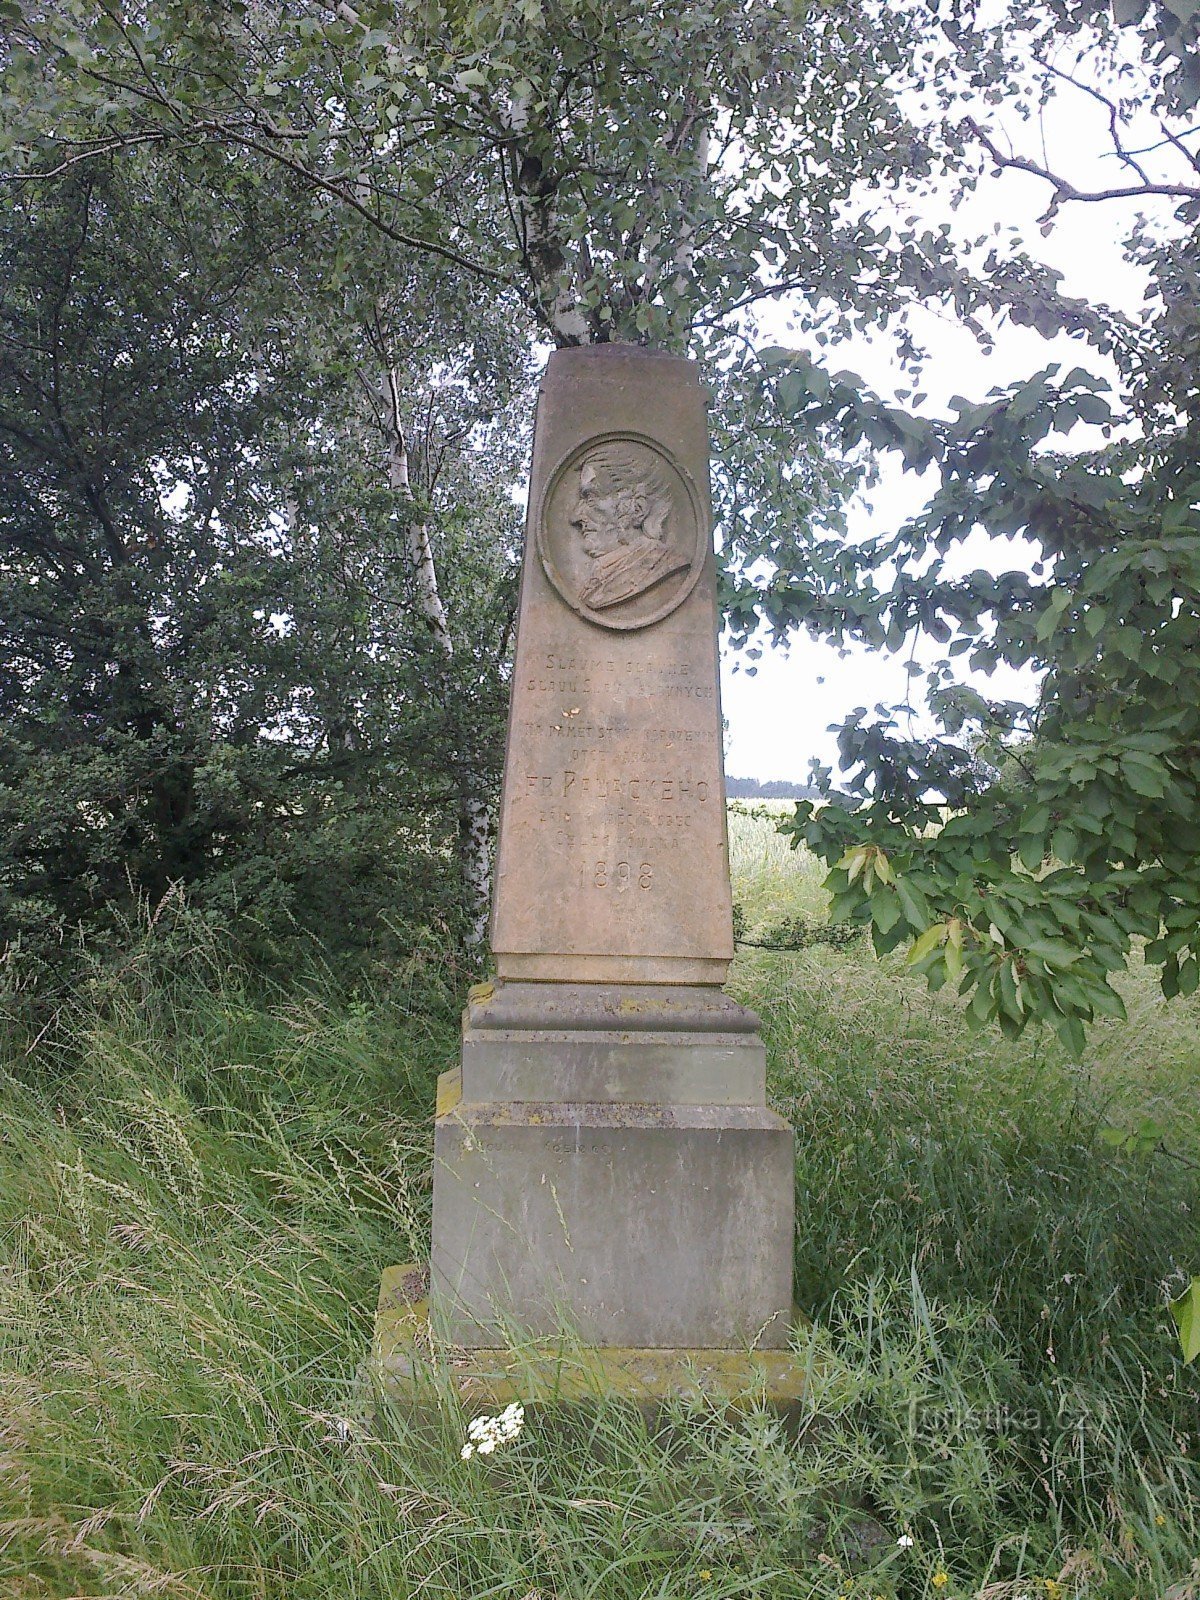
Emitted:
<point x="1074" y="826"/>
<point x="213" y="676"/>
<point x="766" y="789"/>
<point x="1026" y="848"/>
<point x="801" y="933"/>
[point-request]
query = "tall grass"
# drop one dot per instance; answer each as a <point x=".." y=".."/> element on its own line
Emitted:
<point x="201" y="1181"/>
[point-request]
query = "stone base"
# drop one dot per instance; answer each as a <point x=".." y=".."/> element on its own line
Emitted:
<point x="404" y="1359"/>
<point x="631" y="1226"/>
<point x="712" y="1069"/>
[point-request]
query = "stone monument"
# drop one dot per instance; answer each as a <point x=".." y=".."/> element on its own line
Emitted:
<point x="604" y="1159"/>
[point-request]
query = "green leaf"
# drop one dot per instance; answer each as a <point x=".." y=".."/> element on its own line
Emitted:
<point x="1054" y="952"/>
<point x="1064" y="844"/>
<point x="1010" y="1026"/>
<point x="844" y="905"/>
<point x="913" y="902"/>
<point x="982" y="1008"/>
<point x="1186" y="1312"/>
<point x="1035" y="821"/>
<point x="1031" y="850"/>
<point x="1091" y="408"/>
<point x="1170" y="977"/>
<point x="1145" y="775"/>
<point x="929" y="940"/>
<point x="1070" y="1031"/>
<point x="885" y="912"/>
<point x="1060" y="599"/>
<point x="1107" y="1002"/>
<point x="1012" y="998"/>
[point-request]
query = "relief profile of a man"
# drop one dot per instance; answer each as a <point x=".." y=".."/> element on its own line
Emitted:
<point x="622" y="515"/>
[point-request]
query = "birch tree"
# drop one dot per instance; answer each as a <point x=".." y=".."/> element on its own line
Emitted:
<point x="445" y="412"/>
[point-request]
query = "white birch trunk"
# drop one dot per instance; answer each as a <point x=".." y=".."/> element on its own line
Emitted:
<point x="547" y="262"/>
<point x="475" y="863"/>
<point x="553" y="278"/>
<point x="416" y="532"/>
<point x="474" y="818"/>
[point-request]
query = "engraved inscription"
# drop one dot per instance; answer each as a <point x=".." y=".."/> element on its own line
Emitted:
<point x="613" y="772"/>
<point x="621" y="875"/>
<point x="620" y="537"/>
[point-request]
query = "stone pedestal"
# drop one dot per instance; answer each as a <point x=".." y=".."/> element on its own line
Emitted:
<point x="626" y="1184"/>
<point x="605" y="1160"/>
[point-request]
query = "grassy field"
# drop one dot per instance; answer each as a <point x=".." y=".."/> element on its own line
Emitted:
<point x="200" y="1183"/>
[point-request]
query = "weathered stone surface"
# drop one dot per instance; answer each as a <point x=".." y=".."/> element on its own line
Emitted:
<point x="628" y="1007"/>
<point x="653" y="1068"/>
<point x="412" y="1368"/>
<point x="632" y="1225"/>
<point x="612" y="860"/>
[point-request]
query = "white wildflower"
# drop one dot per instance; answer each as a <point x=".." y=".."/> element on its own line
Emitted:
<point x="905" y="1542"/>
<point x="512" y="1420"/>
<point x="486" y="1434"/>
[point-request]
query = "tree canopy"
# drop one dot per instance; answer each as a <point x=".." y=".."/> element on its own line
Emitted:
<point x="220" y="669"/>
<point x="582" y="172"/>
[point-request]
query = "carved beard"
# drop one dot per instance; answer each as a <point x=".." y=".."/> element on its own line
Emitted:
<point x="629" y="571"/>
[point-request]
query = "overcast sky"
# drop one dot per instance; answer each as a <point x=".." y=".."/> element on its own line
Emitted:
<point x="779" y="718"/>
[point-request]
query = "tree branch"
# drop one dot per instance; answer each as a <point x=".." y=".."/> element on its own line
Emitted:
<point x="1114" y="113"/>
<point x="764" y="293"/>
<point x="476" y="268"/>
<point x="1064" y="189"/>
<point x="84" y="155"/>
<point x="231" y="136"/>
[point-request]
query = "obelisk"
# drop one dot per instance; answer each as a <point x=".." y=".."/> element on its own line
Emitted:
<point x="605" y="1161"/>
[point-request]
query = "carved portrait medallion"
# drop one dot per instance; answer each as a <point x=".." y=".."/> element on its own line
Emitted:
<point x="620" y="532"/>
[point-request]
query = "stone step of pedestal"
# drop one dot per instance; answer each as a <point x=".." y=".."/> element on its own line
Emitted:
<point x="715" y="1069"/>
<point x="414" y="1370"/>
<point x="592" y="1007"/>
<point x="629" y="1225"/>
